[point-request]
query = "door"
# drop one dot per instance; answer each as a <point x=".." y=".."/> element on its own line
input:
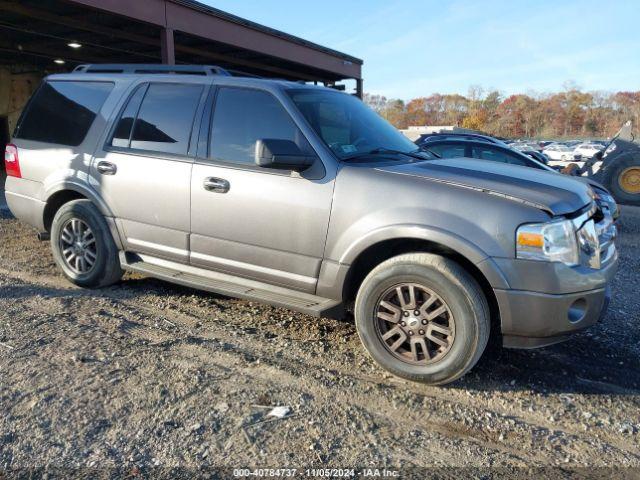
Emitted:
<point x="144" y="172"/>
<point x="254" y="222"/>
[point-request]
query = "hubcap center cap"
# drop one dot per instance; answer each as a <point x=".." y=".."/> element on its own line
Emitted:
<point x="413" y="322"/>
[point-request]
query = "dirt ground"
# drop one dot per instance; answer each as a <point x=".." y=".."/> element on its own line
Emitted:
<point x="145" y="374"/>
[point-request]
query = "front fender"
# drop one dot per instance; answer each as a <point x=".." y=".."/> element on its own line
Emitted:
<point x="414" y="232"/>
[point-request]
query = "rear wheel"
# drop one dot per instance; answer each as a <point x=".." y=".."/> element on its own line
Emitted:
<point x="83" y="246"/>
<point x="422" y="317"/>
<point x="622" y="178"/>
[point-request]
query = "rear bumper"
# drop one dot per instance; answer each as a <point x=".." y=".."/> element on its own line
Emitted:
<point x="27" y="209"/>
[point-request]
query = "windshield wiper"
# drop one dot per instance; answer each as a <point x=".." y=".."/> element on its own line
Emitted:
<point x="382" y="150"/>
<point x="425" y="149"/>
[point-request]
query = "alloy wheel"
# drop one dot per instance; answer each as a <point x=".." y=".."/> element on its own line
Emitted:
<point x="414" y="323"/>
<point x="78" y="246"/>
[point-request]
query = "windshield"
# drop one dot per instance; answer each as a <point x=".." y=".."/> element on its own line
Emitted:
<point x="347" y="125"/>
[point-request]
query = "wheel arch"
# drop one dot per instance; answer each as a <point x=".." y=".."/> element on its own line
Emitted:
<point x="471" y="258"/>
<point x="64" y="192"/>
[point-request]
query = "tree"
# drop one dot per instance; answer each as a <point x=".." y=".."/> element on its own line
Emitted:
<point x="570" y="113"/>
<point x="395" y="113"/>
<point x="377" y="102"/>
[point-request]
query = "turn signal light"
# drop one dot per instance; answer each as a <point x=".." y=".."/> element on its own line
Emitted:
<point x="526" y="239"/>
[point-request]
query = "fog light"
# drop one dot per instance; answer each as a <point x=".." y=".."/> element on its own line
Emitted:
<point x="577" y="310"/>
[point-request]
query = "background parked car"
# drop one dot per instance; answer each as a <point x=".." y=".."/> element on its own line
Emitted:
<point x="588" y="149"/>
<point x="559" y="152"/>
<point x="429" y="137"/>
<point x="572" y="143"/>
<point x="526" y="146"/>
<point x="539" y="156"/>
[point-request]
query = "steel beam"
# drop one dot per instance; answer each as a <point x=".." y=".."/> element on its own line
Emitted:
<point x="167" y="46"/>
<point x="359" y="87"/>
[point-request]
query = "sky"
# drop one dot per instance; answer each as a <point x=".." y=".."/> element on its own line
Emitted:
<point x="414" y="48"/>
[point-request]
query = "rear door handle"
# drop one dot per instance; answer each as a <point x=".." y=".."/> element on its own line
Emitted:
<point x="107" y="168"/>
<point x="218" y="185"/>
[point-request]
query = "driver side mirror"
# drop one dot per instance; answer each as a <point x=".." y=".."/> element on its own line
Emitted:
<point x="598" y="155"/>
<point x="281" y="154"/>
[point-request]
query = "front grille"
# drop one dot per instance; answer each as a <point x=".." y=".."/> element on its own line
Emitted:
<point x="607" y="232"/>
<point x="596" y="233"/>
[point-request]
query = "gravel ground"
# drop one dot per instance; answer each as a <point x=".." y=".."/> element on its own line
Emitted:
<point x="145" y="374"/>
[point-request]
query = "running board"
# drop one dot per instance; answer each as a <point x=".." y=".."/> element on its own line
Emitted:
<point x="231" y="286"/>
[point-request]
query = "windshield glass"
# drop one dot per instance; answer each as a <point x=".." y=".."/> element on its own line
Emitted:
<point x="347" y="125"/>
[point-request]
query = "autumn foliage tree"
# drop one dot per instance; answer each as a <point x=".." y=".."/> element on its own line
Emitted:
<point x="570" y="113"/>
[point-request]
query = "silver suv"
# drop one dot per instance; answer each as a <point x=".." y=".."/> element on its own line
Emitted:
<point x="301" y="197"/>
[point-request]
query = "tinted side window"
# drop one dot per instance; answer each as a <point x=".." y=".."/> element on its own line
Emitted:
<point x="62" y="112"/>
<point x="122" y="133"/>
<point x="447" y="151"/>
<point x="165" y="119"/>
<point x="243" y="116"/>
<point x="496" y="155"/>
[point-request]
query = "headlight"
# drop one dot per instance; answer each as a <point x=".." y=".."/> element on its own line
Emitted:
<point x="551" y="242"/>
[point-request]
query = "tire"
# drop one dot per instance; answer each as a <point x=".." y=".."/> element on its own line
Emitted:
<point x="467" y="318"/>
<point x="105" y="269"/>
<point x="613" y="176"/>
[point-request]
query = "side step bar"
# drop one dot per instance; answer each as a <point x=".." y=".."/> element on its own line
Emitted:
<point x="231" y="286"/>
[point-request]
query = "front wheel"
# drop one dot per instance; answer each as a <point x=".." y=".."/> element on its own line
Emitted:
<point x="83" y="246"/>
<point x="622" y="178"/>
<point x="423" y="317"/>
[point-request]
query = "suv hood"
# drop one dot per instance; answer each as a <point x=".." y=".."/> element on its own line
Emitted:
<point x="548" y="191"/>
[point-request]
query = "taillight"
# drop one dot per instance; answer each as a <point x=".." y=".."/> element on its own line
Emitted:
<point x="11" y="161"/>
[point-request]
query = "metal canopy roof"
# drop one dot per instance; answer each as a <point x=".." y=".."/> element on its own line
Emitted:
<point x="271" y="31"/>
<point x="35" y="32"/>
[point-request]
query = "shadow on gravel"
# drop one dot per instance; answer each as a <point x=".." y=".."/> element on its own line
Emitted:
<point x="128" y="288"/>
<point x="576" y="366"/>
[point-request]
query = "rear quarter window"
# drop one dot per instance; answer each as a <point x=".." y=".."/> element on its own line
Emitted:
<point x="61" y="112"/>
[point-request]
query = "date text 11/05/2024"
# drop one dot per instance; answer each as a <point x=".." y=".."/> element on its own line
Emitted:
<point x="316" y="473"/>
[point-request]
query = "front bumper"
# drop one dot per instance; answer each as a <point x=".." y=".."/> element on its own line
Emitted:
<point x="531" y="319"/>
<point x="547" y="302"/>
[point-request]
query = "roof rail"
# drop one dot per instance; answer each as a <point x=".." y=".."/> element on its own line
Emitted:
<point x="151" y="68"/>
<point x="240" y="73"/>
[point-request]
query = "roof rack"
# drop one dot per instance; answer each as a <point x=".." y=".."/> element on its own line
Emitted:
<point x="151" y="68"/>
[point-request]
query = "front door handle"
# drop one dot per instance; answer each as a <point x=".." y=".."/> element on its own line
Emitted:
<point x="218" y="185"/>
<point x="107" y="168"/>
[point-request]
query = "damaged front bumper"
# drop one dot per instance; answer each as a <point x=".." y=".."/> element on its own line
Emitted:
<point x="548" y="301"/>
